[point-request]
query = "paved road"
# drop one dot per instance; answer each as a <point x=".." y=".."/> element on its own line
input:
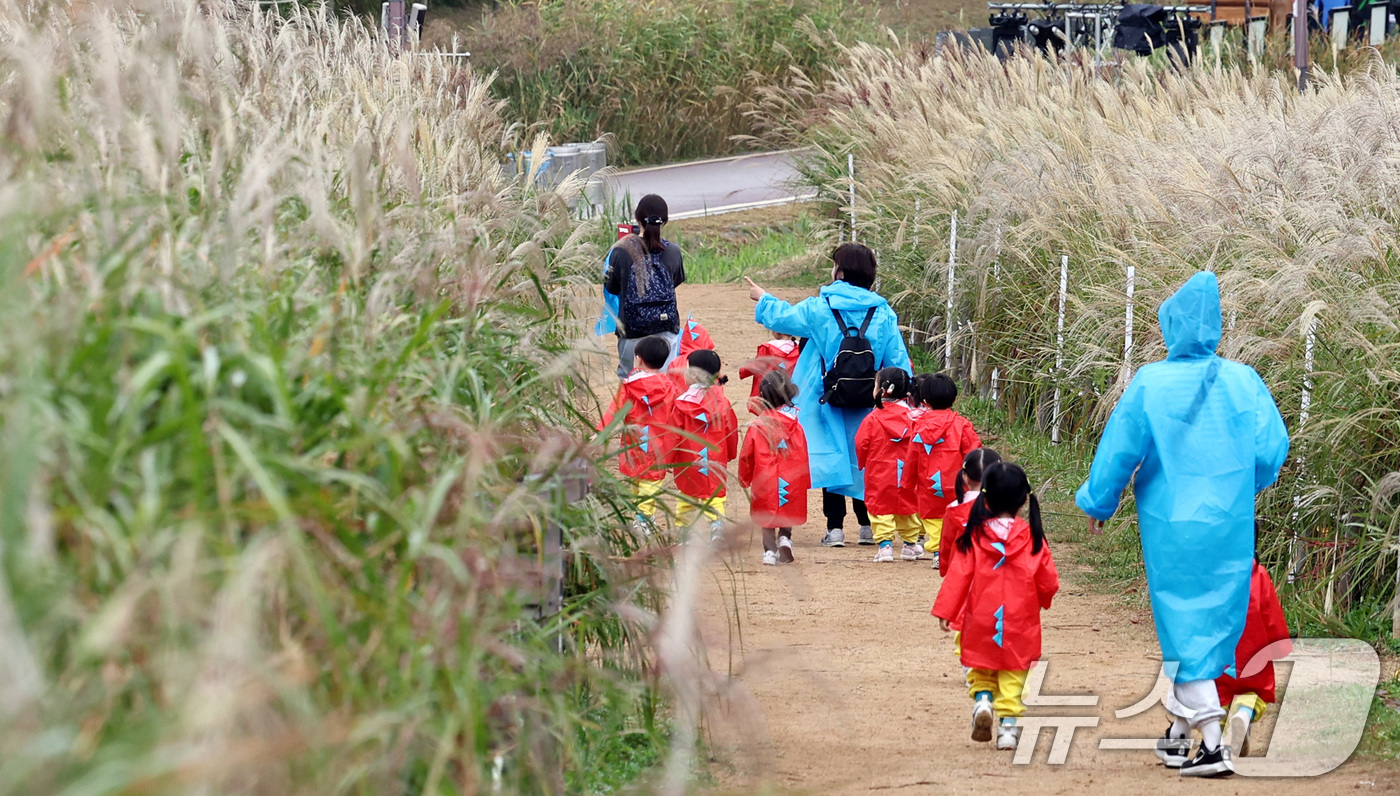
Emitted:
<point x="711" y="187"/>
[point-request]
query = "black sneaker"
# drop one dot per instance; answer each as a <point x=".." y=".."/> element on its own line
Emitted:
<point x="1173" y="752"/>
<point x="1213" y="763"/>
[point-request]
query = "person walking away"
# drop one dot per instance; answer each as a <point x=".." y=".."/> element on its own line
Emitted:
<point x="645" y="401"/>
<point x="967" y="486"/>
<point x="846" y="314"/>
<point x="884" y="452"/>
<point x="1265" y="639"/>
<point x="780" y="352"/>
<point x="643" y="271"/>
<point x="773" y="467"/>
<point x="942" y="440"/>
<point x="707" y="440"/>
<point x="1204" y="437"/>
<point x="1001" y="578"/>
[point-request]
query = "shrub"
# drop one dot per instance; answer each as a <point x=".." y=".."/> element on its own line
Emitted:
<point x="285" y="397"/>
<point x="668" y="79"/>
<point x="1288" y="197"/>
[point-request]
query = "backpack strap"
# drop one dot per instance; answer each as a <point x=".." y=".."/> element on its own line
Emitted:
<point x="869" y="316"/>
<point x="841" y="322"/>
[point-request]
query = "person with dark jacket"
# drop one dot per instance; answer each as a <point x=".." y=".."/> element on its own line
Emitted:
<point x="643" y="272"/>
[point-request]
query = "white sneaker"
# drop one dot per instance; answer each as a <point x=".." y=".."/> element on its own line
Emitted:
<point x="1237" y="733"/>
<point x="770" y="558"/>
<point x="717" y="531"/>
<point x="835" y="537"/>
<point x="911" y="552"/>
<point x="885" y="554"/>
<point x="1008" y="736"/>
<point x="785" y="550"/>
<point x="935" y="559"/>
<point x="983" y="717"/>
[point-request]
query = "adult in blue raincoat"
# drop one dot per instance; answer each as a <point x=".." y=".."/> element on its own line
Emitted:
<point x="1203" y="436"/>
<point x="831" y="430"/>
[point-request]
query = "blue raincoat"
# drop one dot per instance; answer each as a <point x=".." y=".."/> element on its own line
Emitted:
<point x="1204" y="436"/>
<point x="831" y="431"/>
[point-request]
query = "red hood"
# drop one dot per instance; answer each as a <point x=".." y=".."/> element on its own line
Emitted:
<point x="1018" y="539"/>
<point x="695" y="401"/>
<point x="647" y="389"/>
<point x="777" y="348"/>
<point x="893" y="419"/>
<point x="694" y="337"/>
<point x="933" y="425"/>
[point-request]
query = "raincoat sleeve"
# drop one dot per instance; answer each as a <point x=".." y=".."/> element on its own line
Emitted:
<point x="1121" y="449"/>
<point x="780" y="316"/>
<point x="970" y="440"/>
<point x="1270" y="439"/>
<point x="893" y="353"/>
<point x="957" y="585"/>
<point x="746" y="457"/>
<point x="1047" y="579"/>
<point x="607" y="322"/>
<point x="613" y="408"/>
<point x="731" y="434"/>
<point x="864" y="435"/>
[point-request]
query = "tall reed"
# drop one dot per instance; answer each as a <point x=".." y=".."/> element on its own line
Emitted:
<point x="1289" y="197"/>
<point x="285" y="397"/>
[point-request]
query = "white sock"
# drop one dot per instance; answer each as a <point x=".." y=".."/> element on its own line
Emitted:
<point x="1210" y="735"/>
<point x="1179" y="728"/>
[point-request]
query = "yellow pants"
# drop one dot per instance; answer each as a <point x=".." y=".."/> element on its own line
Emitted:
<point x="933" y="529"/>
<point x="1005" y="686"/>
<point x="713" y="509"/>
<point x="647" y="491"/>
<point x="886" y="526"/>
<point x="1247" y="700"/>
<point x="957" y="653"/>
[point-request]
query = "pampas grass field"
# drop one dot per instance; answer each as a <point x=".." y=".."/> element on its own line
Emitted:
<point x="285" y="398"/>
<point x="1290" y="198"/>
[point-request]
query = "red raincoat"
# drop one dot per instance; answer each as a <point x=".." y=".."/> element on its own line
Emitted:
<point x="942" y="439"/>
<point x="883" y="452"/>
<point x="707" y="440"/>
<point x="954" y="521"/>
<point x="998" y="589"/>
<point x="694" y="338"/>
<point x="646" y="396"/>
<point x="772" y="354"/>
<point x="773" y="465"/>
<point x="1263" y="626"/>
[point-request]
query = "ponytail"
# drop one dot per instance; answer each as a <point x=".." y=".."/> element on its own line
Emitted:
<point x="891" y="384"/>
<point x="980" y="514"/>
<point x="1037" y="529"/>
<point x="652" y="214"/>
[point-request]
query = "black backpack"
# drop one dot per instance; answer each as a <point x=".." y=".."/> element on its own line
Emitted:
<point x="850" y="383"/>
<point x="653" y="311"/>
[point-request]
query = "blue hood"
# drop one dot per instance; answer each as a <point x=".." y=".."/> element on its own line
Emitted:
<point x="845" y="296"/>
<point x="1190" y="319"/>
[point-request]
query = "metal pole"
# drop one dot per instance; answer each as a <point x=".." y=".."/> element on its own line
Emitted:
<point x="1300" y="42"/>
<point x="1128" y="322"/>
<point x="851" y="171"/>
<point x="1304" y="412"/>
<point x="948" y="317"/>
<point x="996" y="374"/>
<point x="1059" y="350"/>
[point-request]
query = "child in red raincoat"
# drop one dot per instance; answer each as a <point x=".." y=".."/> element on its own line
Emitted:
<point x="780" y="352"/>
<point x="968" y="486"/>
<point x="693" y="337"/>
<point x="1265" y="631"/>
<point x="1001" y="578"/>
<point x="645" y="398"/>
<point x="707" y="440"/>
<point x="773" y="466"/>
<point x="883" y="452"/>
<point x="942" y="440"/>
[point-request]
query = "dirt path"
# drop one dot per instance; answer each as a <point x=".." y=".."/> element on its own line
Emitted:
<point x="844" y="684"/>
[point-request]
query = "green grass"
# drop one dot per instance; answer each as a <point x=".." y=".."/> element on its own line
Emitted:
<point x="729" y="253"/>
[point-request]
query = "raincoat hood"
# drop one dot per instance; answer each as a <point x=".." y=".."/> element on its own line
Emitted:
<point x="846" y="296"/>
<point x="893" y="419"/>
<point x="1190" y="319"/>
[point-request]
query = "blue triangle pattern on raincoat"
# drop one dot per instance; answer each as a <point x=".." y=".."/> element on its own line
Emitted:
<point x="782" y="492"/>
<point x="1001" y="622"/>
<point x="1000" y="548"/>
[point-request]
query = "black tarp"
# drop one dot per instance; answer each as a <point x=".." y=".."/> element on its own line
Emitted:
<point x="1140" y="28"/>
